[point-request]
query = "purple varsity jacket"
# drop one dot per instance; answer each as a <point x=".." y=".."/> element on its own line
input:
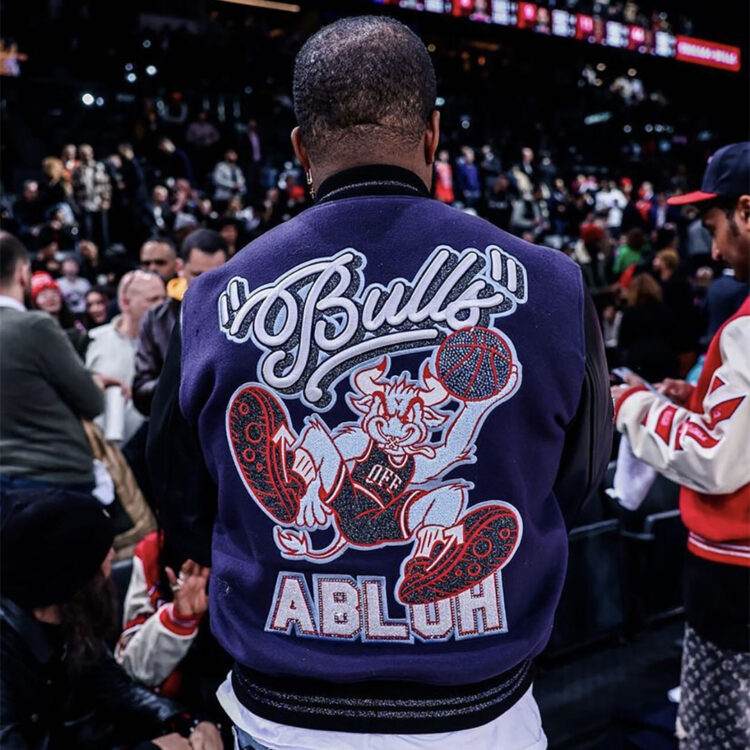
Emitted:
<point x="400" y="406"/>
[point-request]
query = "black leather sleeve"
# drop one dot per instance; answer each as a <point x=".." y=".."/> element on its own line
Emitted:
<point x="11" y="723"/>
<point x="588" y="439"/>
<point x="184" y="490"/>
<point x="133" y="705"/>
<point x="146" y="366"/>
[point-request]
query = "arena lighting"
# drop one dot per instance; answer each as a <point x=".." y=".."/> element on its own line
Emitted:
<point x="129" y="66"/>
<point x="151" y="70"/>
<point x="267" y="5"/>
<point x="146" y="43"/>
<point x="627" y="129"/>
<point x="131" y="77"/>
<point x="87" y="99"/>
<point x="597" y="118"/>
<point x="579" y="26"/>
<point x="439" y="101"/>
<point x="601" y="67"/>
<point x="99" y="101"/>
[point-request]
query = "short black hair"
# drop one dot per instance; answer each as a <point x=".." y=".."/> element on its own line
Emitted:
<point x="725" y="203"/>
<point x="365" y="78"/>
<point x="205" y="240"/>
<point x="162" y="240"/>
<point x="12" y="252"/>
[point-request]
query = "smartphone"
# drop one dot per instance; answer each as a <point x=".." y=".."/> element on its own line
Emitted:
<point x="623" y="372"/>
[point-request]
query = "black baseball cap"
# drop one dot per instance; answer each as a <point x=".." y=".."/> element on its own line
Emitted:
<point x="52" y="543"/>
<point x="727" y="174"/>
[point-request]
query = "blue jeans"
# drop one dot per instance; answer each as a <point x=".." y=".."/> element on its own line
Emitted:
<point x="243" y="741"/>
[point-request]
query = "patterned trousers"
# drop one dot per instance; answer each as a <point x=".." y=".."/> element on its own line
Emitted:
<point x="714" y="712"/>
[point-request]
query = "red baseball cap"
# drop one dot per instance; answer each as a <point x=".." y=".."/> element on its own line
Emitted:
<point x="727" y="174"/>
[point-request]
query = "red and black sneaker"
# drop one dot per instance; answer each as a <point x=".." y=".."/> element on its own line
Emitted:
<point x="490" y="536"/>
<point x="260" y="438"/>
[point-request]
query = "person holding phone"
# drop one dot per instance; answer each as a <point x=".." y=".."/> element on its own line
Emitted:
<point x="700" y="440"/>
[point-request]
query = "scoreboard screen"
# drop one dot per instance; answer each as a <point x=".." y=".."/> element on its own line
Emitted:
<point x="593" y="30"/>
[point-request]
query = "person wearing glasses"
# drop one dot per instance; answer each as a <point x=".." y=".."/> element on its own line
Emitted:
<point x="159" y="255"/>
<point x="202" y="250"/>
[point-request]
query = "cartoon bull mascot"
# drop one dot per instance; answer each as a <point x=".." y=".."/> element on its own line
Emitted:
<point x="377" y="480"/>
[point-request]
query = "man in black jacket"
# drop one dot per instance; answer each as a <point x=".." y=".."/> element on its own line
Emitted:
<point x="201" y="251"/>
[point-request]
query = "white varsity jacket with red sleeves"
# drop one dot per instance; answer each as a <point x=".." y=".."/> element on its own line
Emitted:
<point x="155" y="638"/>
<point x="705" y="446"/>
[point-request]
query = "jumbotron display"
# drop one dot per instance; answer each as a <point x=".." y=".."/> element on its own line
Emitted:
<point x="585" y="28"/>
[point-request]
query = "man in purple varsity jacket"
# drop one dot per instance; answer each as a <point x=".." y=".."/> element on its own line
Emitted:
<point x="401" y="408"/>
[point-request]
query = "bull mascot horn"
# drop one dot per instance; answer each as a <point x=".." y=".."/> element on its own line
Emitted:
<point x="434" y="391"/>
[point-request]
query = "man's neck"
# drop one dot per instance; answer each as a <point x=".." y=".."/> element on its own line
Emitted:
<point x="127" y="326"/>
<point x="322" y="172"/>
<point x="14" y="292"/>
<point x="373" y="179"/>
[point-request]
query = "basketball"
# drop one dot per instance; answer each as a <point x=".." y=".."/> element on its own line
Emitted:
<point x="474" y="364"/>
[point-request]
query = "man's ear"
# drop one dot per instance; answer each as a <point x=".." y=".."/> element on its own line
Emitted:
<point x="180" y="266"/>
<point x="743" y="207"/>
<point x="432" y="138"/>
<point x="300" y="150"/>
<point x="24" y="275"/>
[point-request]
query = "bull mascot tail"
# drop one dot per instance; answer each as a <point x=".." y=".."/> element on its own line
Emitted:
<point x="297" y="544"/>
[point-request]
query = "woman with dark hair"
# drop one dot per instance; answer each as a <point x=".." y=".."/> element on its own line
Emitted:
<point x="678" y="297"/>
<point x="61" y="687"/>
<point x="648" y="332"/>
<point x="97" y="303"/>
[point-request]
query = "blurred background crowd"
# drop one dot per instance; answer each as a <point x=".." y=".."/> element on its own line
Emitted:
<point x="146" y="143"/>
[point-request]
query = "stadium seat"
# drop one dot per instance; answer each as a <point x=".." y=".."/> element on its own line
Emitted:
<point x="591" y="607"/>
<point x="655" y="560"/>
<point x="121" y="572"/>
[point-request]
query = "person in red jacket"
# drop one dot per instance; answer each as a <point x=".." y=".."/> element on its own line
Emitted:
<point x="444" y="178"/>
<point x="698" y="436"/>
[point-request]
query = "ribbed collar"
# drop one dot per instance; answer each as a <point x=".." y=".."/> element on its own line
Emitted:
<point x="374" y="179"/>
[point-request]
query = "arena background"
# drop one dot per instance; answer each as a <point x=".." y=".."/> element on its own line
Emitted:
<point x="502" y="85"/>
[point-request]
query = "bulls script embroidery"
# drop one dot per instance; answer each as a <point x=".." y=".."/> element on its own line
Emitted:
<point x="318" y="321"/>
<point x="379" y="479"/>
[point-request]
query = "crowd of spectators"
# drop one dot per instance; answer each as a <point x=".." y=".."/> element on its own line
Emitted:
<point x="626" y="11"/>
<point x="89" y="221"/>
